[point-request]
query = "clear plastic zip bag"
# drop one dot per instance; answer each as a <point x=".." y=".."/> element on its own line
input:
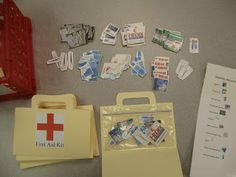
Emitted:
<point x="144" y="126"/>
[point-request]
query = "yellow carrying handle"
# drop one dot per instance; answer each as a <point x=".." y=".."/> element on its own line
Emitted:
<point x="45" y="101"/>
<point x="131" y="95"/>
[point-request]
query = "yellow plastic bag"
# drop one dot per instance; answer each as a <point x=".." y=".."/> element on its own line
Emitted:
<point x="74" y="131"/>
<point x="126" y="157"/>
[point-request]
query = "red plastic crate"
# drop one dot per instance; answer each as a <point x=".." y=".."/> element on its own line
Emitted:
<point x="16" y="53"/>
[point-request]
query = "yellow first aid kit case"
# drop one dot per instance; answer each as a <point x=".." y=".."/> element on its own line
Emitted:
<point x="139" y="140"/>
<point x="55" y="129"/>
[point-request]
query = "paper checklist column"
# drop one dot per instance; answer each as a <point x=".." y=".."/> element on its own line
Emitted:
<point x="214" y="145"/>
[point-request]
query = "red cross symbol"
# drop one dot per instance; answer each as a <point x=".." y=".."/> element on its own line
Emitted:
<point x="50" y="127"/>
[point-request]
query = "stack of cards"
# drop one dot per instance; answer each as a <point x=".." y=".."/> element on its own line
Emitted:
<point x="138" y="65"/>
<point x="77" y="34"/>
<point x="183" y="69"/>
<point x="153" y="134"/>
<point x="170" y="40"/>
<point x="149" y="132"/>
<point x="133" y="34"/>
<point x="109" y="34"/>
<point x="121" y="131"/>
<point x="193" y="45"/>
<point x="89" y="65"/>
<point x="113" y="70"/>
<point x="64" y="62"/>
<point x="160" y="73"/>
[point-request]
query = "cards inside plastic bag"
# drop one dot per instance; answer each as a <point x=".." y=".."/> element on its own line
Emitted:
<point x="136" y="126"/>
<point x="170" y="40"/>
<point x="160" y="73"/>
<point x="147" y="132"/>
<point x="77" y="34"/>
<point x="138" y="65"/>
<point x="89" y="65"/>
<point x="121" y="131"/>
<point x="114" y="69"/>
<point x="133" y="34"/>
